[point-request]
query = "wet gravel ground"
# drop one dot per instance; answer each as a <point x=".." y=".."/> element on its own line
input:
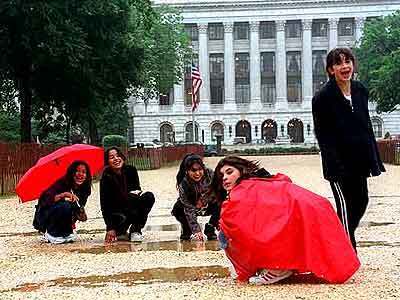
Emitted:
<point x="163" y="268"/>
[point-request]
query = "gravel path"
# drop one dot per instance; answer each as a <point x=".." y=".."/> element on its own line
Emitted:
<point x="164" y="268"/>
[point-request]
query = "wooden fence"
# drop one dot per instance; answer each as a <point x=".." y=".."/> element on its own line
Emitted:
<point x="16" y="159"/>
<point x="389" y="151"/>
<point x="155" y="158"/>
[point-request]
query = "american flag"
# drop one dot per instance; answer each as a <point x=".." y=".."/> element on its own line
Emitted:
<point x="196" y="84"/>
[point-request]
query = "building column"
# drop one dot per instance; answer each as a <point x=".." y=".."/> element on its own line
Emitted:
<point x="255" y="76"/>
<point x="281" y="77"/>
<point x="333" y="33"/>
<point x="229" y="65"/>
<point x="307" y="86"/>
<point x="179" y="100"/>
<point x="203" y="66"/>
<point x="359" y="29"/>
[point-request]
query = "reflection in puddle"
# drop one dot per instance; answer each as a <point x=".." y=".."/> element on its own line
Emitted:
<point x="377" y="243"/>
<point x="146" y="276"/>
<point x="122" y="247"/>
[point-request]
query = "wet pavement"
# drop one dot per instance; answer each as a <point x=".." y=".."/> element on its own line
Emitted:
<point x="165" y="268"/>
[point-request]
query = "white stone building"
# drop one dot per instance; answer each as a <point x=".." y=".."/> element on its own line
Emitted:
<point x="261" y="62"/>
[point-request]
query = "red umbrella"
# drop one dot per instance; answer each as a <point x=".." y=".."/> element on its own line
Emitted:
<point x="52" y="167"/>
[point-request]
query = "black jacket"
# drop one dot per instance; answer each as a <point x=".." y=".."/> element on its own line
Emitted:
<point x="114" y="191"/>
<point x="344" y="132"/>
<point x="46" y="200"/>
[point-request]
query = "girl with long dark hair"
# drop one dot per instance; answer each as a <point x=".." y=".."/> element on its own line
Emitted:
<point x="61" y="205"/>
<point x="193" y="183"/>
<point x="272" y="228"/>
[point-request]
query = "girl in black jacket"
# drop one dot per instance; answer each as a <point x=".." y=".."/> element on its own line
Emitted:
<point x="121" y="199"/>
<point x="344" y="132"/>
<point x="195" y="198"/>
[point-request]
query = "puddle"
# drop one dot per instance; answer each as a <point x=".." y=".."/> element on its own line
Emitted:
<point x="169" y="227"/>
<point x="373" y="224"/>
<point x="377" y="244"/>
<point x="146" y="276"/>
<point x="123" y="247"/>
<point x="22" y="234"/>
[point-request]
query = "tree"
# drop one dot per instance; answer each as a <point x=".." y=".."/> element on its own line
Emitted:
<point x="78" y="57"/>
<point x="379" y="61"/>
<point x="166" y="49"/>
<point x="71" y="53"/>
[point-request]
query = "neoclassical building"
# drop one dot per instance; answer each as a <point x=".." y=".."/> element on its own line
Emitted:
<point x="261" y="62"/>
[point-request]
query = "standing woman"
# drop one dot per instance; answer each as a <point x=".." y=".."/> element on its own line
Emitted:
<point x="61" y="205"/>
<point x="123" y="204"/>
<point x="193" y="183"/>
<point x="272" y="228"/>
<point x="345" y="136"/>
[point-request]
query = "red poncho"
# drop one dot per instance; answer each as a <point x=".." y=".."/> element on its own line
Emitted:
<point x="274" y="224"/>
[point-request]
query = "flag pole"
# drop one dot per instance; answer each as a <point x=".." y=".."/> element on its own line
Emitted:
<point x="193" y="126"/>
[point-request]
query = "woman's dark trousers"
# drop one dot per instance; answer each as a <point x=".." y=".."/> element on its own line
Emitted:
<point x="59" y="218"/>
<point x="351" y="196"/>
<point x="135" y="214"/>
<point x="213" y="210"/>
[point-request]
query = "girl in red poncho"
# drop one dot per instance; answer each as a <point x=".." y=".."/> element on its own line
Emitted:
<point x="272" y="228"/>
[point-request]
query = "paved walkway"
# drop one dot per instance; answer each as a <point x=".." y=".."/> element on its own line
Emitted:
<point x="162" y="267"/>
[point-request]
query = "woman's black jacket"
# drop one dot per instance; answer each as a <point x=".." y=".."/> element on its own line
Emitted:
<point x="114" y="190"/>
<point x="344" y="132"/>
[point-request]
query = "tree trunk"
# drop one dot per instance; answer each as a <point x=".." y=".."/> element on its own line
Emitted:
<point x="68" y="130"/>
<point x="25" y="97"/>
<point x="93" y="134"/>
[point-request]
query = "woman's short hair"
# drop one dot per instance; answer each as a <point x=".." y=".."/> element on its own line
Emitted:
<point x="107" y="152"/>
<point x="335" y="57"/>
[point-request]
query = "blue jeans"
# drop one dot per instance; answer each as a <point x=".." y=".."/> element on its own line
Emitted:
<point x="59" y="218"/>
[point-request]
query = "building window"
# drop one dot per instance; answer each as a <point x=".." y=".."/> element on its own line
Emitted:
<point x="320" y="28"/>
<point x="188" y="80"/>
<point x="215" y="31"/>
<point x="217" y="128"/>
<point x="377" y="127"/>
<point x="166" y="133"/>
<point x="189" y="132"/>
<point x="346" y="27"/>
<point x="293" y="29"/>
<point x="318" y="69"/>
<point x="243" y="129"/>
<point x="192" y="31"/>
<point x="217" y="78"/>
<point x="268" y="88"/>
<point x="293" y="66"/>
<point x="242" y="78"/>
<point x="167" y="98"/>
<point x="267" y="30"/>
<point x="296" y="131"/>
<point x="241" y="30"/>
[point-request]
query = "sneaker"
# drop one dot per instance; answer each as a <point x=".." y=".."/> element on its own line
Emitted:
<point x="209" y="231"/>
<point x="59" y="239"/>
<point x="136" y="237"/>
<point x="266" y="276"/>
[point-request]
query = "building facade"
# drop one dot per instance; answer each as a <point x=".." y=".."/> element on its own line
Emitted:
<point x="261" y="63"/>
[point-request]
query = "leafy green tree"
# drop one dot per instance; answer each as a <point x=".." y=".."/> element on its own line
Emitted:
<point x="379" y="61"/>
<point x="71" y="52"/>
<point x="166" y="49"/>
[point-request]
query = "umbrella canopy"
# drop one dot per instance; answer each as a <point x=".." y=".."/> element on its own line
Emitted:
<point x="52" y="167"/>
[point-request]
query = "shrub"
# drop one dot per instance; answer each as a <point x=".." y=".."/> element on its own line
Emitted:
<point x="114" y="140"/>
